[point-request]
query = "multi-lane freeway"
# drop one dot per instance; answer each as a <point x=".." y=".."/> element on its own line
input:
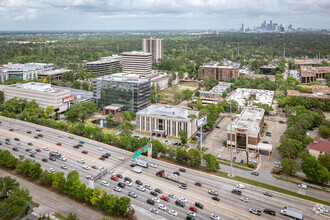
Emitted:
<point x="230" y="205"/>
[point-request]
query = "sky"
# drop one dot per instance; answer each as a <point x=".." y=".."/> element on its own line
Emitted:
<point x="159" y="14"/>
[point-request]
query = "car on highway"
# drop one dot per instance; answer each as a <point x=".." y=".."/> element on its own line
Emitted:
<point x="105" y="183"/>
<point x="37" y="150"/>
<point x="147" y="186"/>
<point x="128" y="183"/>
<point x="16" y="139"/>
<point x="213" y="192"/>
<point x="240" y="186"/>
<point x="52" y="158"/>
<point x="114" y="178"/>
<point x="183" y="186"/>
<point x="36" y="137"/>
<point x="198" y="184"/>
<point x="121" y="158"/>
<point x="192" y="208"/>
<point x="94" y="167"/>
<point x="60" y="136"/>
<point x="119" y="176"/>
<point x="199" y="205"/>
<point x="127" y="179"/>
<point x="81" y="142"/>
<point x="40" y="135"/>
<point x="165" y="198"/>
<point x="322" y="209"/>
<point x="117" y="189"/>
<point x="183" y="199"/>
<point x="214" y="217"/>
<point x="132" y="194"/>
<point x="7" y="139"/>
<point x="270" y="212"/>
<point x="112" y="173"/>
<point x="38" y="130"/>
<point x="70" y="137"/>
<point x="156" y="199"/>
<point x="30" y="144"/>
<point x="27" y="149"/>
<point x="11" y="129"/>
<point x="151" y="202"/>
<point x="51" y="170"/>
<point x="141" y="188"/>
<point x="44" y="159"/>
<point x="102" y="169"/>
<point x="303" y="186"/>
<point x="64" y="167"/>
<point x="15" y="149"/>
<point x="154" y="210"/>
<point x="59" y="144"/>
<point x="33" y="151"/>
<point x="180" y="203"/>
<point x="176" y="173"/>
<point x="255" y="211"/>
<point x="237" y="192"/>
<point x="29" y="132"/>
<point x="191" y="213"/>
<point x="182" y="170"/>
<point x="101" y="158"/>
<point x="86" y="167"/>
<point x="105" y="156"/>
<point x="84" y="152"/>
<point x="8" y="143"/>
<point x="32" y="155"/>
<point x="245" y="199"/>
<point x="82" y="161"/>
<point x="89" y="177"/>
<point x="216" y="198"/>
<point x="162" y="207"/>
<point x="153" y="193"/>
<point x="171" y="195"/>
<point x="121" y="185"/>
<point x="173" y="212"/>
<point x="100" y="148"/>
<point x="268" y="194"/>
<point x="153" y="165"/>
<point x="139" y="182"/>
<point x="19" y="143"/>
<point x="255" y="173"/>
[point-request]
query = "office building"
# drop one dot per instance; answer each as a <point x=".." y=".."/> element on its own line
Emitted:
<point x="215" y="94"/>
<point x="105" y="66"/>
<point x="130" y="92"/>
<point x="6" y="73"/>
<point x="311" y="74"/>
<point x="43" y="93"/>
<point x="242" y="95"/>
<point x="114" y="57"/>
<point x="155" y="46"/>
<point x="137" y="62"/>
<point x="166" y="120"/>
<point x="246" y="129"/>
<point x="220" y="73"/>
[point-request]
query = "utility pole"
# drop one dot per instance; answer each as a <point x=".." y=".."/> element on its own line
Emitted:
<point x="231" y="143"/>
<point x="201" y="139"/>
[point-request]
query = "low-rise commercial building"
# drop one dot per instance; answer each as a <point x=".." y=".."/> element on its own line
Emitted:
<point x="43" y="93"/>
<point x="103" y="66"/>
<point x="137" y="62"/>
<point x="122" y="89"/>
<point x="307" y="62"/>
<point x="311" y="74"/>
<point x="242" y="95"/>
<point x="246" y="128"/>
<point x="6" y="73"/>
<point x="319" y="147"/>
<point x="215" y="94"/>
<point x="164" y="119"/>
<point x="220" y="73"/>
<point x="295" y="74"/>
<point x="319" y="92"/>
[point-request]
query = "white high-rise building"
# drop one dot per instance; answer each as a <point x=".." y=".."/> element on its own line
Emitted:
<point x="137" y="62"/>
<point x="154" y="46"/>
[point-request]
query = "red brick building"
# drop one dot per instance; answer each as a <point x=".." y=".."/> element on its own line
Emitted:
<point x="220" y="73"/>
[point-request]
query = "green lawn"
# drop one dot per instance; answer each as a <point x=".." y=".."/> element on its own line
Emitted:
<point x="273" y="188"/>
<point x="234" y="165"/>
<point x="109" y="131"/>
<point x="166" y="95"/>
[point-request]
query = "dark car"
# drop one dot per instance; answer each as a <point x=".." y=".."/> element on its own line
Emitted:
<point x="32" y="155"/>
<point x="128" y="179"/>
<point x="75" y="146"/>
<point x="234" y="158"/>
<point x="27" y="150"/>
<point x="29" y="132"/>
<point x="108" y="154"/>
<point x="216" y="198"/>
<point x="198" y="184"/>
<point x="8" y="142"/>
<point x="0" y="143"/>
<point x="255" y="173"/>
<point x="268" y="194"/>
<point x="183" y="186"/>
<point x="158" y="191"/>
<point x="199" y="205"/>
<point x="36" y="137"/>
<point x="121" y="185"/>
<point x="179" y="203"/>
<point x="105" y="156"/>
<point x="237" y="192"/>
<point x="52" y="158"/>
<point x="139" y="182"/>
<point x="218" y="126"/>
<point x="16" y="139"/>
<point x="119" y="176"/>
<point x="15" y="149"/>
<point x="40" y="135"/>
<point x="38" y="130"/>
<point x="7" y="139"/>
<point x="30" y="144"/>
<point x="44" y="159"/>
<point x="182" y="170"/>
<point x="177" y="173"/>
<point x="154" y="193"/>
<point x="11" y="129"/>
<point x="190" y="217"/>
<point x="132" y="165"/>
<point x="269" y="212"/>
<point x="151" y="202"/>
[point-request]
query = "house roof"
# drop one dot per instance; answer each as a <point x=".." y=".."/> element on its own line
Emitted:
<point x="319" y="145"/>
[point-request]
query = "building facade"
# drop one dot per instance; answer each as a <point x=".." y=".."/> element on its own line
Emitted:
<point x="215" y="94"/>
<point x="43" y="93"/>
<point x="220" y="73"/>
<point x="166" y="120"/>
<point x="246" y="128"/>
<point x="5" y="74"/>
<point x="137" y="62"/>
<point x="155" y="46"/>
<point x="132" y="92"/>
<point x="311" y="74"/>
<point x="104" y="67"/>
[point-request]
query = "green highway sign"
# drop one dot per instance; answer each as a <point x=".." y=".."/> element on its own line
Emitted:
<point x="136" y="154"/>
<point x="145" y="148"/>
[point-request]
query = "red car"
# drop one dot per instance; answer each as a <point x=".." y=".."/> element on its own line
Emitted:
<point x="101" y="158"/>
<point x="192" y="208"/>
<point x="15" y="149"/>
<point x="165" y="198"/>
<point x="84" y="151"/>
<point x="114" y="178"/>
<point x="38" y="150"/>
<point x="59" y="144"/>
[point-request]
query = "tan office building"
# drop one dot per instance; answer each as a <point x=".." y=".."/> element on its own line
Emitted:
<point x="154" y="46"/>
<point x="220" y="73"/>
<point x="137" y="62"/>
<point x="104" y="67"/>
<point x="164" y="119"/>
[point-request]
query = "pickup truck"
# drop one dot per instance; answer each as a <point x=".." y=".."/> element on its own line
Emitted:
<point x="172" y="177"/>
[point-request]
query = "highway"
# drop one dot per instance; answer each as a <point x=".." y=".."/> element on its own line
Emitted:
<point x="229" y="207"/>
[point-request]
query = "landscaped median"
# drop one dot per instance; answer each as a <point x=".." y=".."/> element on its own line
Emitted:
<point x="273" y="188"/>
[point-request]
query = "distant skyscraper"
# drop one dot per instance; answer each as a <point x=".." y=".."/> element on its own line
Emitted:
<point x="243" y="28"/>
<point x="271" y="25"/>
<point x="154" y="46"/>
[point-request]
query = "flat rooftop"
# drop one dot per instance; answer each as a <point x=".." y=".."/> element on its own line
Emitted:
<point x="54" y="72"/>
<point x="41" y="87"/>
<point x="102" y="61"/>
<point x="123" y="77"/>
<point x="137" y="53"/>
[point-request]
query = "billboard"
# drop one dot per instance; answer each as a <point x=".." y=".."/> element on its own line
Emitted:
<point x="68" y="99"/>
<point x="201" y="121"/>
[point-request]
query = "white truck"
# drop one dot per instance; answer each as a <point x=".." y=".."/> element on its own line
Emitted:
<point x="142" y="163"/>
<point x="137" y="169"/>
<point x="292" y="212"/>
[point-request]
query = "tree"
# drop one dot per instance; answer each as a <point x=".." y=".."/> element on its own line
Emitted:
<point x="183" y="136"/>
<point x="314" y="171"/>
<point x="2" y="97"/>
<point x="126" y="128"/>
<point x="211" y="162"/>
<point x="16" y="201"/>
<point x="153" y="94"/>
<point x="49" y="111"/>
<point x="85" y="86"/>
<point x="6" y="185"/>
<point x="186" y="94"/>
<point x="195" y="157"/>
<point x="35" y="170"/>
<point x="109" y="119"/>
<point x="72" y="216"/>
<point x="169" y="82"/>
<point x="289" y="166"/>
<point x="95" y="196"/>
<point x="325" y="161"/>
<point x="75" y="84"/>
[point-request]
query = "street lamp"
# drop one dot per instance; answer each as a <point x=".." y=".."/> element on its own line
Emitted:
<point x="231" y="142"/>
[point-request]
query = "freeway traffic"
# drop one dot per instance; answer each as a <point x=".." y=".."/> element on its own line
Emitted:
<point x="230" y="205"/>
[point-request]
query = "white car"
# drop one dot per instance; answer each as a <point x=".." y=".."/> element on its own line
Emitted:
<point x="162" y="207"/>
<point x="219" y="156"/>
<point x="214" y="217"/>
<point x="45" y="149"/>
<point x="153" y="165"/>
<point x="117" y="188"/>
<point x="156" y="199"/>
<point x="81" y="161"/>
<point x="141" y="188"/>
<point x="128" y="183"/>
<point x="191" y="213"/>
<point x="173" y="212"/>
<point x="245" y="199"/>
<point x="51" y="170"/>
<point x="278" y="163"/>
<point x="154" y="210"/>
<point x="303" y="186"/>
<point x="64" y="167"/>
<point x="100" y="148"/>
<point x="60" y="135"/>
<point x="33" y="151"/>
<point x="19" y="143"/>
<point x="240" y="186"/>
<point x="322" y="209"/>
<point x="213" y="192"/>
<point x="147" y="186"/>
<point x="112" y="173"/>
<point x="86" y="167"/>
<point x="253" y="161"/>
<point x="171" y="195"/>
<point x="102" y="169"/>
<point x="105" y="183"/>
<point x="174" y="175"/>
<point x="121" y="158"/>
<point x="183" y="199"/>
<point x="132" y="194"/>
